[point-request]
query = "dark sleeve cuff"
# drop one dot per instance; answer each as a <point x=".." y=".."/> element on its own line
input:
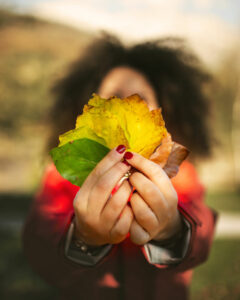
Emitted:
<point x="170" y="252"/>
<point x="90" y="257"/>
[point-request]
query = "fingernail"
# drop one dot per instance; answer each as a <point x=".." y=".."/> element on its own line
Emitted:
<point x="128" y="155"/>
<point x="121" y="148"/>
<point x="125" y="162"/>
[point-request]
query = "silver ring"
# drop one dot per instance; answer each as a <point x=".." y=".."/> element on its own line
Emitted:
<point x="126" y="176"/>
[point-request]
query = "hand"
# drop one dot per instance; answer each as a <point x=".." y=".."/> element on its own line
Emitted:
<point x="102" y="218"/>
<point x="154" y="203"/>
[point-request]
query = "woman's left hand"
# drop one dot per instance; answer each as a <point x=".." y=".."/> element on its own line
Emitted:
<point x="154" y="203"/>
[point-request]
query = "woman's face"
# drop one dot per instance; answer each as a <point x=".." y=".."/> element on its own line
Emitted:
<point x="125" y="81"/>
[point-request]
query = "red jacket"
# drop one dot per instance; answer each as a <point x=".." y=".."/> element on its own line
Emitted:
<point x="125" y="272"/>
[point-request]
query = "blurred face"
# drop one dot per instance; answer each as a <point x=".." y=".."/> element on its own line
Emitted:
<point x="123" y="82"/>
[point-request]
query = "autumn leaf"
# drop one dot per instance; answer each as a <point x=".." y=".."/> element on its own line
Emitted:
<point x="116" y="121"/>
<point x="105" y="124"/>
<point x="75" y="160"/>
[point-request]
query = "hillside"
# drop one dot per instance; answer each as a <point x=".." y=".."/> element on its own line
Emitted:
<point x="33" y="54"/>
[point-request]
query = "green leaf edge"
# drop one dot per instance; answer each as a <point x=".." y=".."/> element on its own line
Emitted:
<point x="59" y="153"/>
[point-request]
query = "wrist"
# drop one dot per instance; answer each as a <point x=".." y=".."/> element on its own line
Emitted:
<point x="78" y="236"/>
<point x="88" y="257"/>
<point x="81" y="240"/>
<point x="81" y="244"/>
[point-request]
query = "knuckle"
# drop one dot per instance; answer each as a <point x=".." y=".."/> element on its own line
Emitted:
<point x="120" y="230"/>
<point x="102" y="186"/>
<point x="135" y="176"/>
<point x="120" y="167"/>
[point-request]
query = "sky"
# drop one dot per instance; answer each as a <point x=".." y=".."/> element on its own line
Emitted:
<point x="210" y="26"/>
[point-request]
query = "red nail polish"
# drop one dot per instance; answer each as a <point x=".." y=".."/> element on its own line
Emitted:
<point x="125" y="162"/>
<point x="128" y="155"/>
<point x="121" y="148"/>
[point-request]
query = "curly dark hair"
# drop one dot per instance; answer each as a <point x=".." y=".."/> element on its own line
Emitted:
<point x="173" y="71"/>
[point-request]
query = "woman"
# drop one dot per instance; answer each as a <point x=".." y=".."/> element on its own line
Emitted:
<point x="92" y="245"/>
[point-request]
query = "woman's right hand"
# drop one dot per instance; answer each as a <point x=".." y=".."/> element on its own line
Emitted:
<point x="99" y="217"/>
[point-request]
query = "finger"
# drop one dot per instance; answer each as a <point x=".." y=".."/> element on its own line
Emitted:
<point x="113" y="157"/>
<point x="144" y="215"/>
<point x="138" y="235"/>
<point x="149" y="193"/>
<point x="122" y="226"/>
<point x="154" y="172"/>
<point x="115" y="205"/>
<point x="102" y="189"/>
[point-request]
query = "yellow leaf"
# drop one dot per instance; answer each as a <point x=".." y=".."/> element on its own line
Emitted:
<point x="78" y="133"/>
<point x="116" y="121"/>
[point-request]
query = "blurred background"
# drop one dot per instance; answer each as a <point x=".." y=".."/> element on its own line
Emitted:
<point x="38" y="39"/>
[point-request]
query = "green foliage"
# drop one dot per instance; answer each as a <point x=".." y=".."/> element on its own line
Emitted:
<point x="75" y="160"/>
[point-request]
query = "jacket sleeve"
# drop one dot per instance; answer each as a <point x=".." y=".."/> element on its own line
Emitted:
<point x="81" y="253"/>
<point x="201" y="219"/>
<point x="45" y="231"/>
<point x="172" y="251"/>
